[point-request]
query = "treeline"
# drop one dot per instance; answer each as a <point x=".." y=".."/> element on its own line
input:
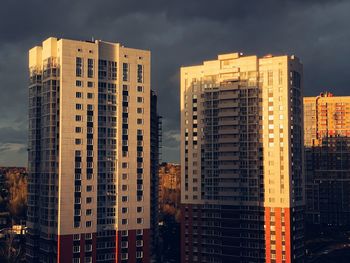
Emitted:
<point x="13" y="193"/>
<point x="169" y="186"/>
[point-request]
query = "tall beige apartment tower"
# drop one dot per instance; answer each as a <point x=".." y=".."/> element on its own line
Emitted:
<point x="242" y="185"/>
<point x="327" y="159"/>
<point x="90" y="165"/>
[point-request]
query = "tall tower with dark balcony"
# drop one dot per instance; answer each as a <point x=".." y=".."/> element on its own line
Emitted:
<point x="89" y="193"/>
<point x="242" y="181"/>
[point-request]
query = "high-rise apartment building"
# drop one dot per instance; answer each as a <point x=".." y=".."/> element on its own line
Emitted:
<point x="242" y="190"/>
<point x="91" y="153"/>
<point x="327" y="159"/>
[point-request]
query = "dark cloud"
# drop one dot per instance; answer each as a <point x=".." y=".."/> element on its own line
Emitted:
<point x="11" y="135"/>
<point x="178" y="33"/>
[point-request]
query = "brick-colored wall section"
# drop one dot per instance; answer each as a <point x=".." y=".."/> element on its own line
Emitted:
<point x="65" y="245"/>
<point x="132" y="246"/>
<point x="267" y="234"/>
<point x="146" y="246"/>
<point x="287" y="220"/>
<point x="64" y="248"/>
<point x="279" y="242"/>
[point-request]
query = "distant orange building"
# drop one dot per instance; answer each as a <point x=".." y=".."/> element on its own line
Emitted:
<point x="327" y="158"/>
<point x="326" y="116"/>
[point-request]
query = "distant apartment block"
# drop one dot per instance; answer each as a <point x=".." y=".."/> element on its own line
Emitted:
<point x="242" y="181"/>
<point x="92" y="154"/>
<point x="327" y="159"/>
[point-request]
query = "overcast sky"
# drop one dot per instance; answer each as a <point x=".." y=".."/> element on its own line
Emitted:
<point x="178" y="33"/>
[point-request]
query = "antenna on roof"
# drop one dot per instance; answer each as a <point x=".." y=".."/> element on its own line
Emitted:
<point x="92" y="39"/>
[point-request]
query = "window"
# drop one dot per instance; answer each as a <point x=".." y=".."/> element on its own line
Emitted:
<point x="88" y="248"/>
<point x="76" y="249"/>
<point x="90" y="107"/>
<point x="139" y="121"/>
<point x="112" y="70"/>
<point x="139" y="99"/>
<point x="78" y="95"/>
<point x="77" y="212"/>
<point x="79" y="67"/>
<point x="124" y="198"/>
<point x="124" y="210"/>
<point x="88" y="223"/>
<point x="139" y="232"/>
<point x="139" y="73"/>
<point x="76" y="237"/>
<point x="124" y="187"/>
<point x="88" y="212"/>
<point x="77" y="153"/>
<point x="139" y="220"/>
<point x="88" y="188"/>
<point x="90" y="68"/>
<point x="78" y="118"/>
<point x="76" y="224"/>
<point x="78" y="83"/>
<point x="88" y="200"/>
<point x="125" y="71"/>
<point x="78" y="141"/>
<point x="90" y="84"/>
<point x="88" y="236"/>
<point x="78" y="106"/>
<point x="139" y="254"/>
<point x="90" y="95"/>
<point x="124" y="176"/>
<point x="124" y="221"/>
<point x="124" y="233"/>
<point x="125" y="165"/>
<point x="140" y="110"/>
<point x="78" y="129"/>
<point x="124" y="244"/>
<point x="139" y="88"/>
<point x="139" y="243"/>
<point x="102" y="69"/>
<point x="76" y="260"/>
<point x="139" y="209"/>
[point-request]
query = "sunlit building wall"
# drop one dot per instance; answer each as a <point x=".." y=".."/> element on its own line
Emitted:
<point x="242" y="185"/>
<point x="89" y="152"/>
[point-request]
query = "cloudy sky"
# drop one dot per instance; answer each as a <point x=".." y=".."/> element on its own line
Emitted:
<point x="178" y="33"/>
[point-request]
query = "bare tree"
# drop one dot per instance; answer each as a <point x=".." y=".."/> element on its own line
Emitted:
<point x="11" y="250"/>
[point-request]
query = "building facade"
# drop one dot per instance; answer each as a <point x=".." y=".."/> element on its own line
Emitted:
<point x="327" y="159"/>
<point x="90" y="144"/>
<point x="242" y="193"/>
